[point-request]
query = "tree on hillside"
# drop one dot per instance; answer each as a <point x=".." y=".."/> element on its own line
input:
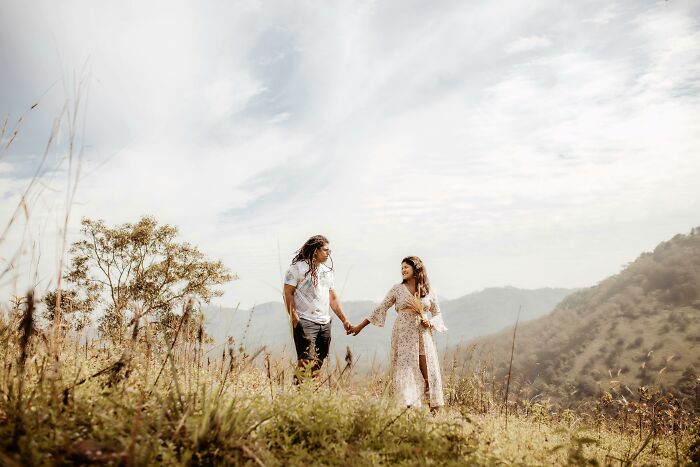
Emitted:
<point x="136" y="270"/>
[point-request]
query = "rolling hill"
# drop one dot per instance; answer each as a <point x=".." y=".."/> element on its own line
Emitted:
<point x="640" y="327"/>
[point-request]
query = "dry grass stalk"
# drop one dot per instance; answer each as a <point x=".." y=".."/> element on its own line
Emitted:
<point x="26" y="328"/>
<point x="185" y="316"/>
<point x="510" y="367"/>
<point x="74" y="166"/>
<point x="415" y="305"/>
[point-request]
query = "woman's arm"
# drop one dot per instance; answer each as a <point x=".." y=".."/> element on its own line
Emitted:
<point x="378" y="315"/>
<point x="357" y="329"/>
<point x="436" y="321"/>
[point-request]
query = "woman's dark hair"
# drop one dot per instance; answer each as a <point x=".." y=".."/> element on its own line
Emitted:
<point x="306" y="254"/>
<point x="420" y="273"/>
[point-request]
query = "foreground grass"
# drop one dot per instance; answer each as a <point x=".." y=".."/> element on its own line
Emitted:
<point x="525" y="442"/>
<point x="140" y="404"/>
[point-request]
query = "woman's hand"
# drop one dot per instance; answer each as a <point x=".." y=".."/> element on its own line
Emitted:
<point x="426" y="324"/>
<point x="357" y="329"/>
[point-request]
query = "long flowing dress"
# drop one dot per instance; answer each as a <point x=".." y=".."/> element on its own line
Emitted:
<point x="409" y="340"/>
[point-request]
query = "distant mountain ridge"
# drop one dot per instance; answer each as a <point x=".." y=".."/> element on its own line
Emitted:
<point x="494" y="308"/>
<point x="466" y="317"/>
<point x="638" y="327"/>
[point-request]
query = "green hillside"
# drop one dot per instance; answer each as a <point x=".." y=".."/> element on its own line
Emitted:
<point x="640" y="327"/>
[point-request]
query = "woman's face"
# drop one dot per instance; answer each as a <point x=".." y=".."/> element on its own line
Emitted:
<point x="406" y="271"/>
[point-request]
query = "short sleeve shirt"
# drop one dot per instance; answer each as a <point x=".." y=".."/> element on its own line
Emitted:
<point x="312" y="302"/>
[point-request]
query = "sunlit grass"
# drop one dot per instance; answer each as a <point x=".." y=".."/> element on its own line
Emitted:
<point x="79" y="405"/>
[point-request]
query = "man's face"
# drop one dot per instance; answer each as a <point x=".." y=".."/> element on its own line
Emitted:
<point x="322" y="253"/>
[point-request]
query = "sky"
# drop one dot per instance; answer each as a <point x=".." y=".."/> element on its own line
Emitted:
<point x="533" y="144"/>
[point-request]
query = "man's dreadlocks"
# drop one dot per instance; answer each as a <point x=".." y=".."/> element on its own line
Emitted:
<point x="306" y="253"/>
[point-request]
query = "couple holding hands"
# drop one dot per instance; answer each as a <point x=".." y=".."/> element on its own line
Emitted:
<point x="309" y="295"/>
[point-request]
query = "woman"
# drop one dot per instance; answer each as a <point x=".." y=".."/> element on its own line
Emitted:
<point x="414" y="361"/>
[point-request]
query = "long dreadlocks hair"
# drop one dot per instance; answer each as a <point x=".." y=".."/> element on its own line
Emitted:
<point x="306" y="254"/>
<point x="420" y="273"/>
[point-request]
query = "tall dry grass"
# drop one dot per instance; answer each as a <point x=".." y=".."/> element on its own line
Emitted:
<point x="152" y="400"/>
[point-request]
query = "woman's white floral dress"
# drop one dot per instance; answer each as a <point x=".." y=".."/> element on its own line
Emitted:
<point x="409" y="339"/>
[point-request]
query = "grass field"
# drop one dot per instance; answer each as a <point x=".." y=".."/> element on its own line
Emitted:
<point x="175" y="403"/>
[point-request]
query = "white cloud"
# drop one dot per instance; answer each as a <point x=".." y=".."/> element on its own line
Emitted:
<point x="5" y="167"/>
<point x="226" y="95"/>
<point x="672" y="40"/>
<point x="604" y="16"/>
<point x="526" y="44"/>
<point x="393" y="130"/>
<point x="279" y="118"/>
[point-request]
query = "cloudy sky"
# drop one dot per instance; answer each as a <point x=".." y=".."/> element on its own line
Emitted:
<point x="533" y="144"/>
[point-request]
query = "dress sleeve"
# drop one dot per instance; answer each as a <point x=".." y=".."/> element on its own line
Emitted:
<point x="378" y="315"/>
<point x="436" y="319"/>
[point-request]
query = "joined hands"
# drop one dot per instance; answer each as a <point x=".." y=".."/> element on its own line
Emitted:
<point x="350" y="329"/>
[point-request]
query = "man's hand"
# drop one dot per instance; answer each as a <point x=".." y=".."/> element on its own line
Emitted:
<point x="295" y="319"/>
<point x="348" y="327"/>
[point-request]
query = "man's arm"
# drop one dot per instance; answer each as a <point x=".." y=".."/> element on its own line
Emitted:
<point x="338" y="310"/>
<point x="289" y="303"/>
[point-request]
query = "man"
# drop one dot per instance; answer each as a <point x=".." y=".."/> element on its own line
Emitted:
<point x="308" y="295"/>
